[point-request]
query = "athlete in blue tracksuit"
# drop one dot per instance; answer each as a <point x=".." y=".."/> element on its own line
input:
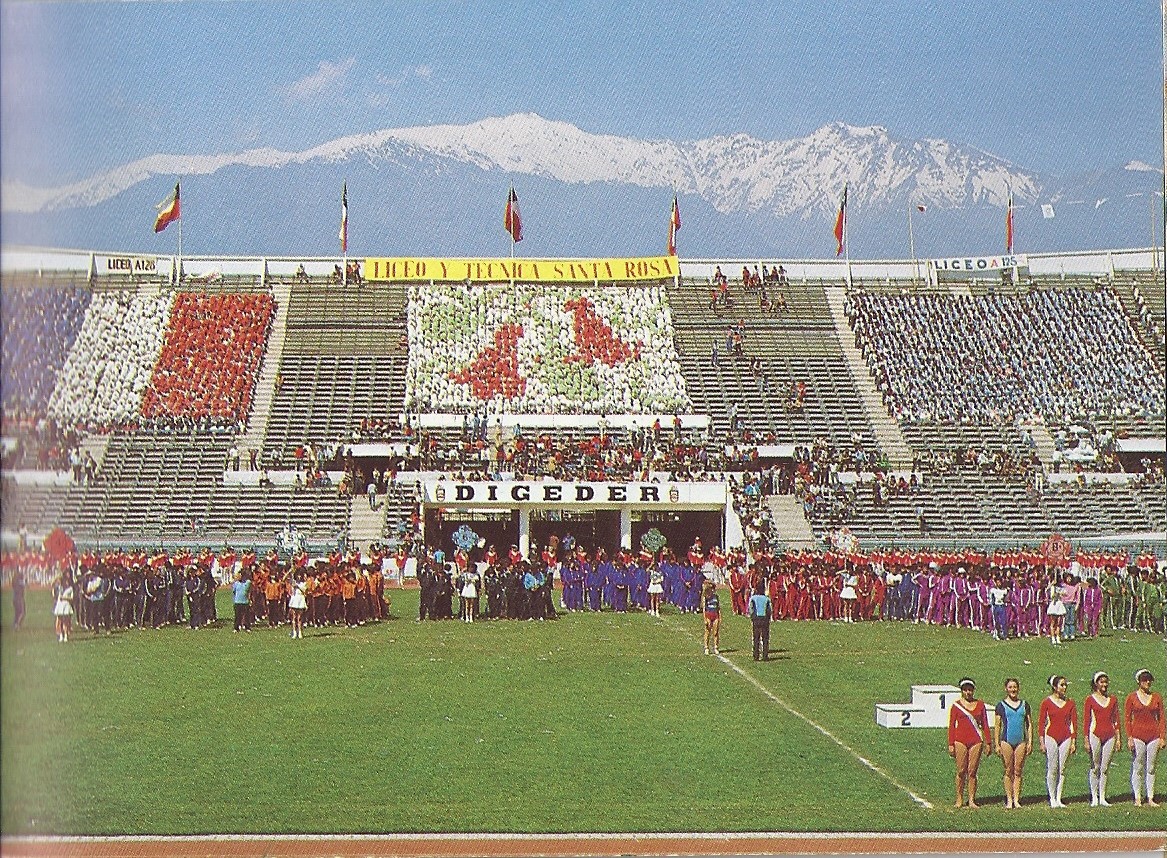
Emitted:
<point x="594" y="578"/>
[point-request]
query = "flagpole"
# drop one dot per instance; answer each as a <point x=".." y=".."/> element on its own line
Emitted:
<point x="511" y="233"/>
<point x="912" y="245"/>
<point x="179" y="186"/>
<point x="847" y="246"/>
<point x="344" y="240"/>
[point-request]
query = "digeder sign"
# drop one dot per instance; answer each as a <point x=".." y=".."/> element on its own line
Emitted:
<point x="419" y="269"/>
<point x="520" y="493"/>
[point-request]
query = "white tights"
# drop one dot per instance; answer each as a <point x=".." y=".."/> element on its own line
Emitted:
<point x="1143" y="768"/>
<point x="1100" y="754"/>
<point x="1055" y="767"/>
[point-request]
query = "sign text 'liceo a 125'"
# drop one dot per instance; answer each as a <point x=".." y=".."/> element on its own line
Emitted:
<point x="979" y="263"/>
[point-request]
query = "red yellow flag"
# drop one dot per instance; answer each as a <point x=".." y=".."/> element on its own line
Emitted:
<point x="674" y="227"/>
<point x="169" y="210"/>
<point x="841" y="223"/>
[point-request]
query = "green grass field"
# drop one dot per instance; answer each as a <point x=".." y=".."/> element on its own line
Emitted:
<point x="589" y="723"/>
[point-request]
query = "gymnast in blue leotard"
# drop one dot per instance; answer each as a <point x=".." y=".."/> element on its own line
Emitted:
<point x="1013" y="732"/>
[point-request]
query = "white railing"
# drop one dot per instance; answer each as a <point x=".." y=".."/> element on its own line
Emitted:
<point x="18" y="260"/>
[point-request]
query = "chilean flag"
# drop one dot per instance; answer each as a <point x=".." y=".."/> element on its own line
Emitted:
<point x="169" y="210"/>
<point x="841" y="222"/>
<point x="343" y="236"/>
<point x="674" y="227"/>
<point x="511" y="221"/>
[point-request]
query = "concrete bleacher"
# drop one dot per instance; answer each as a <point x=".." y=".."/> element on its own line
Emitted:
<point x="343" y="360"/>
<point x="796" y="345"/>
<point x="975" y="507"/>
<point x="170" y="488"/>
<point x="342" y="356"/>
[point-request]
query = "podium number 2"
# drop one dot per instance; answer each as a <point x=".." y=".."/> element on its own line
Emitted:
<point x="905" y="717"/>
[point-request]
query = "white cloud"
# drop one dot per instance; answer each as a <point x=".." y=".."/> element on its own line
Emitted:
<point x="384" y="85"/>
<point x="328" y="77"/>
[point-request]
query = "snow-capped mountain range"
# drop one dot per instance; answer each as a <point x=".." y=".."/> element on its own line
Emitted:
<point x="738" y="194"/>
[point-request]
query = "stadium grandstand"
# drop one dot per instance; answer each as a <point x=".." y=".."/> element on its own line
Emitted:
<point x="248" y="401"/>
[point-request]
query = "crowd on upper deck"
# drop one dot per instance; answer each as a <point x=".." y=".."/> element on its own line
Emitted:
<point x="1061" y="355"/>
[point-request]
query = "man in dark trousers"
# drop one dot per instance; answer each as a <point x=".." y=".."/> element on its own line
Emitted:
<point x="193" y="586"/>
<point x="123" y="599"/>
<point x="444" y="605"/>
<point x="492" y="581"/>
<point x="18" y="607"/>
<point x="425" y="581"/>
<point x="513" y="590"/>
<point x="547" y="596"/>
<point x="759" y="610"/>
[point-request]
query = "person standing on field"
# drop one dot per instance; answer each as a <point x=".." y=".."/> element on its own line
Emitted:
<point x="1057" y="728"/>
<point x="1013" y="731"/>
<point x="759" y="609"/>
<point x="711" y="608"/>
<point x="1146" y="731"/>
<point x="1102" y="730"/>
<point x="968" y="740"/>
<point x="18" y="608"/>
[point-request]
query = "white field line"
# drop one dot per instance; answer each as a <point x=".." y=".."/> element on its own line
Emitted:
<point x="918" y="799"/>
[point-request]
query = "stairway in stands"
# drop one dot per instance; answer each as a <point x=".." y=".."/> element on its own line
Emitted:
<point x="887" y="431"/>
<point x="1124" y="290"/>
<point x="265" y="383"/>
<point x="1045" y="445"/>
<point x="790" y="522"/>
<point x="366" y="524"/>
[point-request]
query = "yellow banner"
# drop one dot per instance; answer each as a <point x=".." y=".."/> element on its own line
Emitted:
<point x="411" y="268"/>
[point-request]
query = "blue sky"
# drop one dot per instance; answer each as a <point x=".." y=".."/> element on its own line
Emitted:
<point x="1053" y="86"/>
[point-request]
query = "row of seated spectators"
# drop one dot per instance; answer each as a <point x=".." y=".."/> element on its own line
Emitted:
<point x="185" y="362"/>
<point x="1063" y="355"/>
<point x="836" y="503"/>
<point x="542" y="349"/>
<point x="999" y="462"/>
<point x="479" y="426"/>
<point x="594" y="458"/>
<point x="39" y="327"/>
<point x="100" y="385"/>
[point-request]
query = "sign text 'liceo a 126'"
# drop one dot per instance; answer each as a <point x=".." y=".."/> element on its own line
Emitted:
<point x="424" y="269"/>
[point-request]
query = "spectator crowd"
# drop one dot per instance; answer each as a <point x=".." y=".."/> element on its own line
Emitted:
<point x="542" y="349"/>
<point x="1063" y="356"/>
